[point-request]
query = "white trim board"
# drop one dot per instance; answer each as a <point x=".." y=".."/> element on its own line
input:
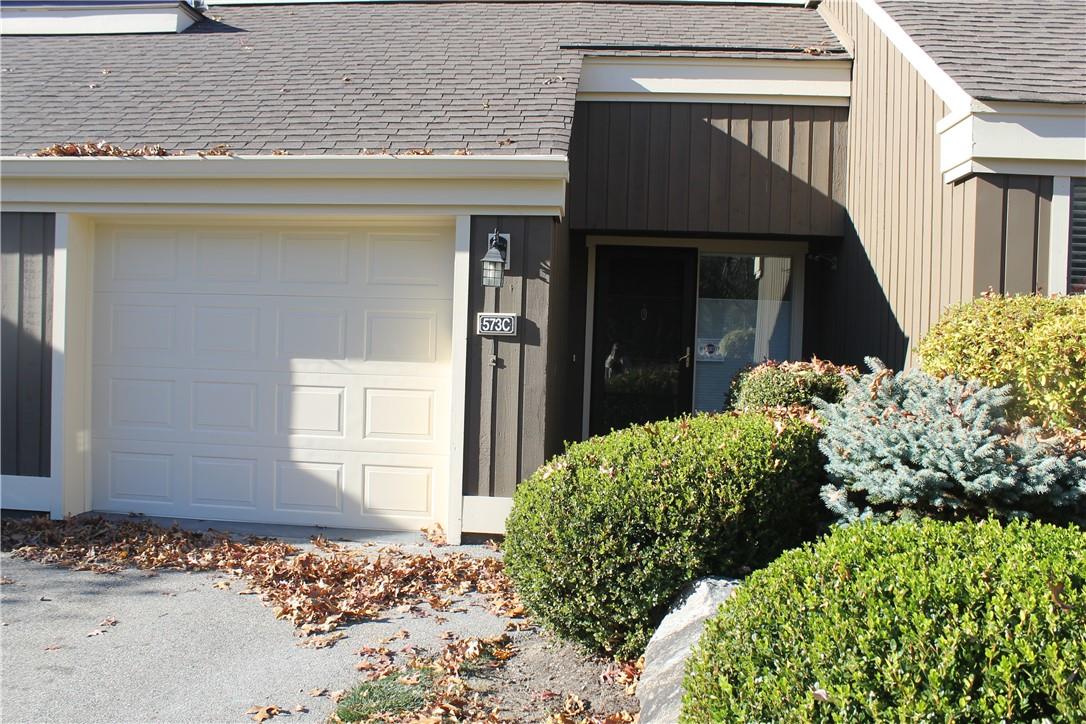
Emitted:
<point x="485" y="514"/>
<point x="792" y="3"/>
<point x="104" y="19"/>
<point x="733" y="80"/>
<point x="1015" y="138"/>
<point x="1059" y="239"/>
<point x="267" y="184"/>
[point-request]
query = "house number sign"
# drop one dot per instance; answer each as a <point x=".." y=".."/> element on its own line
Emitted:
<point x="496" y="325"/>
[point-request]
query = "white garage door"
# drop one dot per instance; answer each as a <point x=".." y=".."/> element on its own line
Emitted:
<point x="274" y="374"/>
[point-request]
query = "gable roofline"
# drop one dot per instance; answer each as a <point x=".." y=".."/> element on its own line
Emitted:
<point x="1042" y="138"/>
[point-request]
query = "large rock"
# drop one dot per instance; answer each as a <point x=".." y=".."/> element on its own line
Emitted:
<point x="661" y="687"/>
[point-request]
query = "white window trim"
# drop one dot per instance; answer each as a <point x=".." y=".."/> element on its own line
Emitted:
<point x="796" y="250"/>
<point x="1059" y="240"/>
<point x="796" y="81"/>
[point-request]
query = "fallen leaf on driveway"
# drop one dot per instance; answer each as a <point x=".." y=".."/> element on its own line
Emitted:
<point x="263" y="713"/>
<point x="52" y="647"/>
<point x="110" y="621"/>
<point x="43" y="598"/>
<point x="317" y="692"/>
<point x="336" y="695"/>
<point x="401" y="634"/>
<point x="321" y="642"/>
<point x="96" y="632"/>
<point x="435" y="534"/>
<point x="299" y="709"/>
<point x="221" y="585"/>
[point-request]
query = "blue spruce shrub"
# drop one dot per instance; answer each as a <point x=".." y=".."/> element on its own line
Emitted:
<point x="907" y="444"/>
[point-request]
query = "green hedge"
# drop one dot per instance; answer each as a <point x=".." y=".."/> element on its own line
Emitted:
<point x="927" y="621"/>
<point x="602" y="538"/>
<point x="787" y="384"/>
<point x="1035" y="344"/>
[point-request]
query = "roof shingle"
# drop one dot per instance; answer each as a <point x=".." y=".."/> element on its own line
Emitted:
<point x="1003" y="51"/>
<point x="388" y="77"/>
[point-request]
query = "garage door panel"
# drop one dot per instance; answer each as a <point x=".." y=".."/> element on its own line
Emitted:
<point x="329" y="262"/>
<point x="224" y="482"/>
<point x="272" y="333"/>
<point x="337" y="412"/>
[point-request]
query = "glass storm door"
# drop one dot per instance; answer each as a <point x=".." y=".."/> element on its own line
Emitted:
<point x="643" y="335"/>
<point x="744" y="317"/>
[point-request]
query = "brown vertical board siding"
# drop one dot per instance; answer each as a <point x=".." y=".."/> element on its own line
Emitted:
<point x="1012" y="228"/>
<point x="708" y="168"/>
<point x="679" y="185"/>
<point x="720" y="143"/>
<point x="510" y="406"/>
<point x="618" y="152"/>
<point x="701" y="130"/>
<point x="739" y="185"/>
<point x="28" y="243"/>
<point x="659" y="168"/>
<point x="639" y="180"/>
<point x="801" y="187"/>
<point x="761" y="168"/>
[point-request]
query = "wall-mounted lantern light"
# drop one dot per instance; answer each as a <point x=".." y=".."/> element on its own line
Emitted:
<point x="496" y="259"/>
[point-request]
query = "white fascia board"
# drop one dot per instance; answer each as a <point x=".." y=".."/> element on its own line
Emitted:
<point x="793" y="3"/>
<point x="735" y="80"/>
<point x="333" y="184"/>
<point x="76" y="19"/>
<point x="1016" y="138"/>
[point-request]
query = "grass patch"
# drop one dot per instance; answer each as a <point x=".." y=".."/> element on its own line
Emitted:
<point x="388" y="695"/>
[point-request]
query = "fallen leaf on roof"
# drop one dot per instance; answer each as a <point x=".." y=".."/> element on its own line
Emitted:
<point x="506" y="141"/>
<point x="280" y="152"/>
<point x="418" y="152"/>
<point x="263" y="713"/>
<point x="462" y="152"/>
<point x="220" y="149"/>
<point x="100" y="149"/>
<point x="4" y="581"/>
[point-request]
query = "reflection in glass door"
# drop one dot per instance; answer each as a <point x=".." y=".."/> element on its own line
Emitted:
<point x="744" y="316"/>
<point x="643" y="334"/>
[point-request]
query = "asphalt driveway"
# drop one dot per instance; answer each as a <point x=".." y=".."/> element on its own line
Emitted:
<point x="181" y="649"/>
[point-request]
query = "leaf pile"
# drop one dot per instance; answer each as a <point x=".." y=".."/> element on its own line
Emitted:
<point x="316" y="590"/>
<point x="101" y="149"/>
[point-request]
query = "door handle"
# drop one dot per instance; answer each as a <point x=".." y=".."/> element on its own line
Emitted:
<point x="686" y="358"/>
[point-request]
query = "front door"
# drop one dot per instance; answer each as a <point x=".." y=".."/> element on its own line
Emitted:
<point x="643" y="335"/>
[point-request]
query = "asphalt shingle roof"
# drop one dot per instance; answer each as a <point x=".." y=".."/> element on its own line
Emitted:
<point x="323" y="78"/>
<point x="999" y="50"/>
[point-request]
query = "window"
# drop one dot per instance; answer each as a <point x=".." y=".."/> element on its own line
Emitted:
<point x="1076" y="266"/>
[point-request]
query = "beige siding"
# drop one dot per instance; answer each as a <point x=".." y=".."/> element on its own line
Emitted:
<point x="913" y="245"/>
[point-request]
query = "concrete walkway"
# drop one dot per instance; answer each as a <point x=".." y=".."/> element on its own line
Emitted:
<point x="182" y="650"/>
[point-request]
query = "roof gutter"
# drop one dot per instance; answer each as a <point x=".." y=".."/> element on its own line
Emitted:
<point x="272" y="167"/>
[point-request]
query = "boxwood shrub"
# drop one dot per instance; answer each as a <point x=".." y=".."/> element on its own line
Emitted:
<point x="924" y="621"/>
<point x="1037" y="345"/>
<point x="787" y="384"/>
<point x="602" y="538"/>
